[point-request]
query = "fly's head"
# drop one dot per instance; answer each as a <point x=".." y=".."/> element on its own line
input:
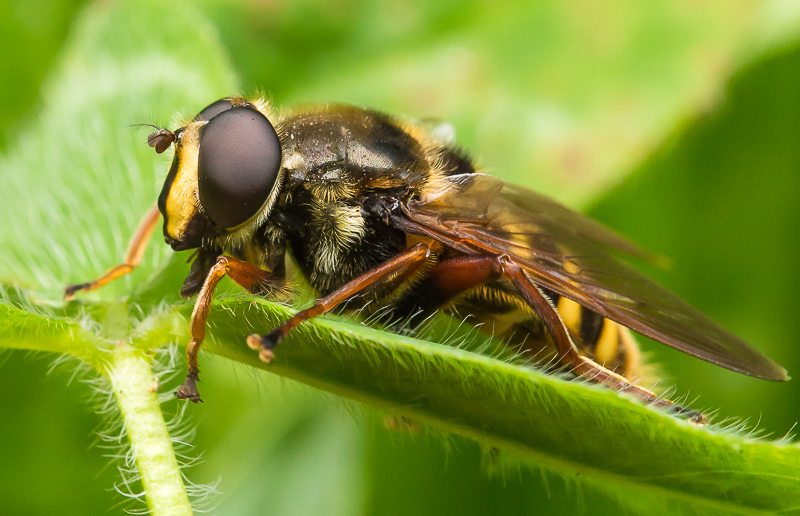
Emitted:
<point x="225" y="175"/>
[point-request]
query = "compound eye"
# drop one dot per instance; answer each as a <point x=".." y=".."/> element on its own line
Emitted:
<point x="237" y="165"/>
<point x="213" y="109"/>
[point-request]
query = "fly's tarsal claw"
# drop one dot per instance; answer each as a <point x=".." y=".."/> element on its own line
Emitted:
<point x="71" y="290"/>
<point x="188" y="391"/>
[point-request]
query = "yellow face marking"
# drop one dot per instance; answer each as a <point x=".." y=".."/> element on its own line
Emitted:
<point x="182" y="198"/>
<point x="606" y="349"/>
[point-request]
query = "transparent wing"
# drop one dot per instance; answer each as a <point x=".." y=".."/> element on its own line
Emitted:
<point x="571" y="254"/>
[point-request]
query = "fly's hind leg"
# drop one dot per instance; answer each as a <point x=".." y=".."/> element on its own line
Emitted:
<point x="134" y="255"/>
<point x="455" y="275"/>
<point x="250" y="277"/>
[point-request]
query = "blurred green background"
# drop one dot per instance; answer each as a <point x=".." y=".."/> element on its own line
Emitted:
<point x="677" y="123"/>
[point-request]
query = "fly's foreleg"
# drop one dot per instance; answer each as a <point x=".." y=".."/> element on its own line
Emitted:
<point x="250" y="277"/>
<point x="134" y="255"/>
<point x="404" y="264"/>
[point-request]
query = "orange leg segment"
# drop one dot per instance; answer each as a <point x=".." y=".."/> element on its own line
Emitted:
<point x="134" y="255"/>
<point x="248" y="276"/>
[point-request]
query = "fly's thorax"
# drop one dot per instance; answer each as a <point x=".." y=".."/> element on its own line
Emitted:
<point x="336" y="158"/>
<point x="333" y="239"/>
<point x="338" y="145"/>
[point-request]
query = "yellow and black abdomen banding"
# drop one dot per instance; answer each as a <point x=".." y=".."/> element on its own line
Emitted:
<point x="502" y="312"/>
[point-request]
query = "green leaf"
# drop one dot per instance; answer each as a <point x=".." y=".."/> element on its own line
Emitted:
<point x="82" y="178"/>
<point x="575" y="429"/>
<point x="36" y="31"/>
<point x="74" y="186"/>
<point x="25" y="329"/>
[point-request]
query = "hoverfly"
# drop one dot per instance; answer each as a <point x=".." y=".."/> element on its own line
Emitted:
<point x="378" y="209"/>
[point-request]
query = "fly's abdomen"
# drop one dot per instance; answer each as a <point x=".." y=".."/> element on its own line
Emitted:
<point x="608" y="343"/>
<point x="501" y="312"/>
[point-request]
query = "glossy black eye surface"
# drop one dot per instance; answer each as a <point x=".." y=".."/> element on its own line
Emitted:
<point x="212" y="110"/>
<point x="238" y="164"/>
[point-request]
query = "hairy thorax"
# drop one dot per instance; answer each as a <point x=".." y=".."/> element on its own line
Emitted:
<point x="334" y="164"/>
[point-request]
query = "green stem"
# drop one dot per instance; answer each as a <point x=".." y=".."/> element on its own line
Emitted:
<point x="134" y="386"/>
